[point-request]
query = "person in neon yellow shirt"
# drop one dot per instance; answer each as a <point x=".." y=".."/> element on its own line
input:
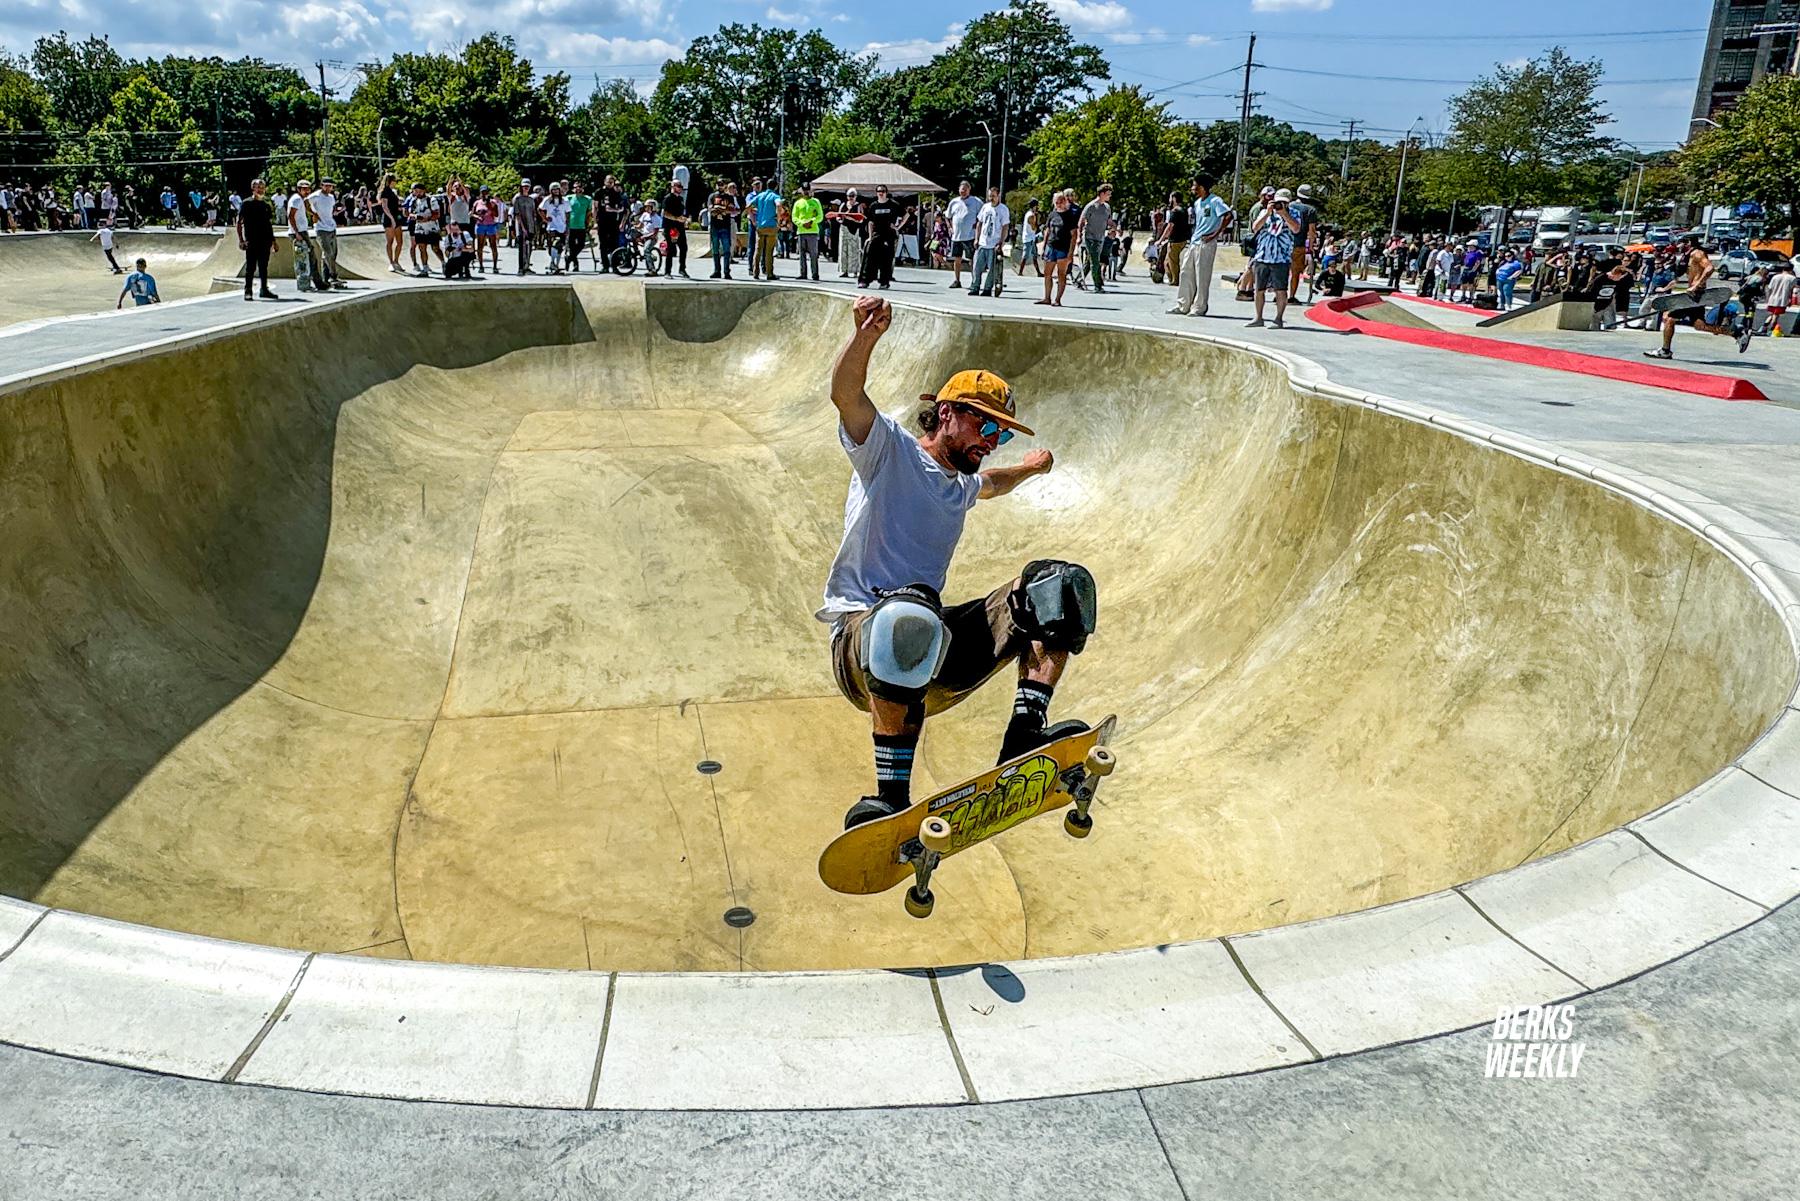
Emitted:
<point x="809" y="215"/>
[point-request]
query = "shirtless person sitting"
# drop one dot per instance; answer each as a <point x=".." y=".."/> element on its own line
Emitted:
<point x="896" y="651"/>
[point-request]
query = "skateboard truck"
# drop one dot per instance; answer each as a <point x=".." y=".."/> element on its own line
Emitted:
<point x="923" y="853"/>
<point x="1082" y="787"/>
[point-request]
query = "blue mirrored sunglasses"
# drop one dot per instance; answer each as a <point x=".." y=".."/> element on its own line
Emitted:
<point x="990" y="427"/>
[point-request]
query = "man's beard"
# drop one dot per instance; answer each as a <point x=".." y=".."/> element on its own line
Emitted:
<point x="964" y="460"/>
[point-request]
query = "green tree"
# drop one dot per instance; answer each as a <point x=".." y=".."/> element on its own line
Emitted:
<point x="1523" y="134"/>
<point x="25" y="105"/>
<point x="434" y="166"/>
<point x="81" y="78"/>
<point x="1754" y="154"/>
<point x="613" y="132"/>
<point x="1012" y="68"/>
<point x="929" y="115"/>
<point x="486" y="96"/>
<point x="730" y="96"/>
<point x="838" y="140"/>
<point x="142" y="141"/>
<point x="1122" y="137"/>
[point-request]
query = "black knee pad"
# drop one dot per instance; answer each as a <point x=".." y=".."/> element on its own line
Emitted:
<point x="1056" y="604"/>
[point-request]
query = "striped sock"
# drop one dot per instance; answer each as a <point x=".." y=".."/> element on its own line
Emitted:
<point x="893" y="767"/>
<point x="1031" y="709"/>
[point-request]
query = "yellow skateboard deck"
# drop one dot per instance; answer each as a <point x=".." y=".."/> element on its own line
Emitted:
<point x="877" y="855"/>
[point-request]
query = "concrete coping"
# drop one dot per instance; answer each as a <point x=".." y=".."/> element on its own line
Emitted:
<point x="1653" y="890"/>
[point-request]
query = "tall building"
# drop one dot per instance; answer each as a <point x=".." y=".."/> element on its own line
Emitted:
<point x="1736" y="56"/>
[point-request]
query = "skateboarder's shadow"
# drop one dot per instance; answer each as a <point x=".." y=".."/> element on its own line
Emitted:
<point x="997" y="977"/>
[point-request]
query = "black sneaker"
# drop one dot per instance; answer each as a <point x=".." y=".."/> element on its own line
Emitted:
<point x="1743" y="339"/>
<point x="1046" y="736"/>
<point x="870" y="809"/>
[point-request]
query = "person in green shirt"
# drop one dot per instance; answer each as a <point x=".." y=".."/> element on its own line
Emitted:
<point x="809" y="214"/>
<point x="580" y="205"/>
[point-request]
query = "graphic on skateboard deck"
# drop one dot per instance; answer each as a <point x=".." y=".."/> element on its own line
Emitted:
<point x="877" y="855"/>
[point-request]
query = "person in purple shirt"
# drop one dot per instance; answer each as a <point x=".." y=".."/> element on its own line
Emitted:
<point x="1471" y="272"/>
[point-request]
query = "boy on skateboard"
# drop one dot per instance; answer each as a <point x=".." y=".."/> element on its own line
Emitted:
<point x="896" y="651"/>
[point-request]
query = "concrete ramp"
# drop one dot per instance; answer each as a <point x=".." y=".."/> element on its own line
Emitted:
<point x="343" y="633"/>
<point x="1386" y="312"/>
<point x="61" y="274"/>
<point x="1547" y="313"/>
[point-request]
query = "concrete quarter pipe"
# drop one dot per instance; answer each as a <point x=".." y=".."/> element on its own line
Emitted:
<point x="400" y="628"/>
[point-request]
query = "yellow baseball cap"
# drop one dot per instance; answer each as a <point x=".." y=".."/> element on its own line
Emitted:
<point x="985" y="392"/>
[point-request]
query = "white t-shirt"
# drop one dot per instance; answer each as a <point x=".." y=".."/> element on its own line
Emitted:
<point x="300" y="215"/>
<point x="556" y="215"/>
<point x="990" y="224"/>
<point x="106" y="237"/>
<point x="1781" y="290"/>
<point x="322" y="207"/>
<point x="964" y="212"/>
<point x="902" y="519"/>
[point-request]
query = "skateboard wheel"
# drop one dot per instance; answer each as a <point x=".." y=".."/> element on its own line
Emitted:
<point x="917" y="904"/>
<point x="934" y="835"/>
<point x="1077" y="825"/>
<point x="1101" y="761"/>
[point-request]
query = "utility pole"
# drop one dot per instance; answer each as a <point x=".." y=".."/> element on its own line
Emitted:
<point x="1348" y="147"/>
<point x="325" y="121"/>
<point x="1237" y="169"/>
<point x="219" y="141"/>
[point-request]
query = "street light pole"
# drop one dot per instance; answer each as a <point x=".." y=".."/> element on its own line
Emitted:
<point x="379" y="122"/>
<point x="1394" y="227"/>
<point x="987" y="175"/>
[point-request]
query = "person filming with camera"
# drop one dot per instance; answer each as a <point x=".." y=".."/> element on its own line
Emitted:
<point x="1275" y="231"/>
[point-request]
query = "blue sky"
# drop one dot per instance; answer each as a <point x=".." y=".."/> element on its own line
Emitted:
<point x="1191" y="54"/>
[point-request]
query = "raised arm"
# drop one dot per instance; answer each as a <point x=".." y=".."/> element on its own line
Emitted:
<point x="871" y="316"/>
<point x="998" y="481"/>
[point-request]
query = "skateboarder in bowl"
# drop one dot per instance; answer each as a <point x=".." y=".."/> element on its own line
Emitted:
<point x="897" y="651"/>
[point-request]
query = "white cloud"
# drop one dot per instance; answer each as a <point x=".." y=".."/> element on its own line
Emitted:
<point x="1200" y="39"/>
<point x="782" y="18"/>
<point x="299" y="31"/>
<point x="1288" y="6"/>
<point x="603" y="51"/>
<point x="913" y="51"/>
<point x="1092" y="15"/>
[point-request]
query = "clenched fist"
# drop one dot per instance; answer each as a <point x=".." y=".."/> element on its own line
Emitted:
<point x="871" y="314"/>
<point x="1038" y="462"/>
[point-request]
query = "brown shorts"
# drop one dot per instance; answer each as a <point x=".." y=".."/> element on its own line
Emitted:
<point x="983" y="639"/>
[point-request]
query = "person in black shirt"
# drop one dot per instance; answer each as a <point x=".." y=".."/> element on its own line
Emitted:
<point x="1331" y="279"/>
<point x="883" y="213"/>
<point x="609" y="214"/>
<point x="256" y="237"/>
<point x="393" y="227"/>
<point x="1059" y="243"/>
<point x="675" y="218"/>
<point x="1178" y="231"/>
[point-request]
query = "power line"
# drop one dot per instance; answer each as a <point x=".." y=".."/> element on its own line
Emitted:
<point x="1455" y="82"/>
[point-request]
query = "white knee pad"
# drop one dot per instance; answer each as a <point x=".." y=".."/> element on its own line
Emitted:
<point x="904" y="642"/>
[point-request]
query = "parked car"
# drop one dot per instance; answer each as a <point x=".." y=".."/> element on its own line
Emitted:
<point x="1737" y="262"/>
